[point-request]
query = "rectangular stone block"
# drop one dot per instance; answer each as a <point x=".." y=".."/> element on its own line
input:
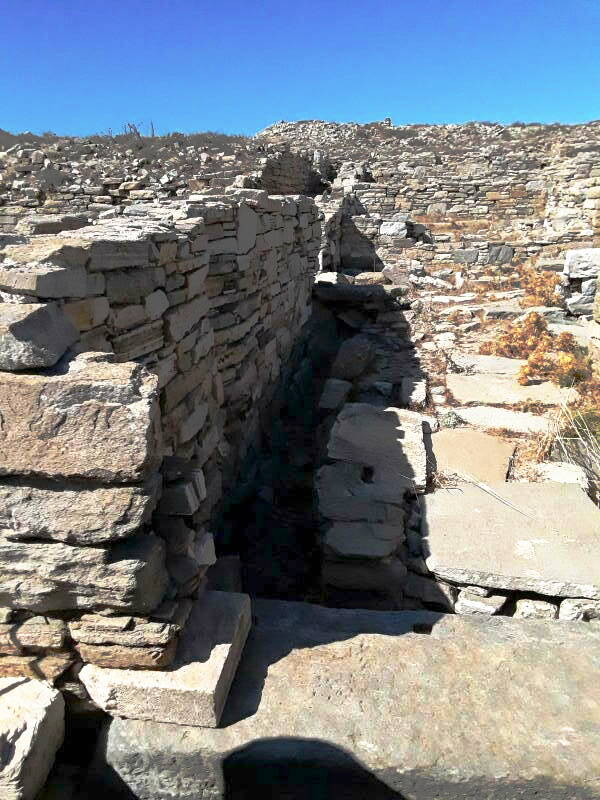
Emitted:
<point x="194" y="689"/>
<point x="52" y="576"/>
<point x="88" y="418"/>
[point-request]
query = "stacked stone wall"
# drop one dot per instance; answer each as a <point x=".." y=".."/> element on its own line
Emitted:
<point x="138" y="356"/>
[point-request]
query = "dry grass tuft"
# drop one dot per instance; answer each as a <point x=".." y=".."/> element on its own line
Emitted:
<point x="541" y="288"/>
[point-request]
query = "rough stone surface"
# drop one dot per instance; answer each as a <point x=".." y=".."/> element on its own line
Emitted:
<point x="504" y="389"/>
<point x="472" y="454"/>
<point x="582" y="263"/>
<point x="335" y="394"/>
<point x="527" y="608"/>
<point x="74" y="513"/>
<point x="353" y="358"/>
<point x="364" y="539"/>
<point x="503" y="419"/>
<point x="47" y="576"/>
<point x="193" y="691"/>
<point x="493" y="708"/>
<point x="579" y="609"/>
<point x="31" y="731"/>
<point x="539" y="537"/>
<point x="387" y="440"/>
<point x="470" y="603"/>
<point x="33" y="335"/>
<point x="92" y="419"/>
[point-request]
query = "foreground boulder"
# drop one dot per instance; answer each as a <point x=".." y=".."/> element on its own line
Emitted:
<point x="31" y="731"/>
<point x="367" y="701"/>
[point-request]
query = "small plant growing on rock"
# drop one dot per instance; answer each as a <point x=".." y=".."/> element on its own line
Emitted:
<point x="542" y="288"/>
<point x="549" y="357"/>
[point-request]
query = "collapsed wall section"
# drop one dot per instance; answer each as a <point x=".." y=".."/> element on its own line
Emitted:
<point x="137" y="356"/>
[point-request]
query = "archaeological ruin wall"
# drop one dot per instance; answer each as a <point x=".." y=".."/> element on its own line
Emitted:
<point x="138" y="357"/>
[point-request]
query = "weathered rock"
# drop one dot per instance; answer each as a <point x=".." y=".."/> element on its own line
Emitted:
<point x="430" y="591"/>
<point x="353" y="358"/>
<point x="505" y="390"/>
<point x="335" y="394"/>
<point x="538" y="537"/>
<point x="535" y="609"/>
<point x="580" y="609"/>
<point x="387" y="442"/>
<point x="562" y="472"/>
<point x="117" y="656"/>
<point x="36" y="633"/>
<point x="33" y="335"/>
<point x="385" y="576"/>
<point x="31" y="731"/>
<point x="413" y="393"/>
<point x="319" y="688"/>
<point x="469" y="603"/>
<point x="51" y="576"/>
<point x="40" y="667"/>
<point x="582" y="263"/>
<point x="472" y="454"/>
<point x="491" y="418"/>
<point x="345" y="495"/>
<point x="126" y="631"/>
<point x="73" y="513"/>
<point x="193" y="691"/>
<point x="365" y="539"/>
<point x="91" y="419"/>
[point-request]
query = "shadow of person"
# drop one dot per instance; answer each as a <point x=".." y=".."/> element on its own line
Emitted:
<point x="299" y="769"/>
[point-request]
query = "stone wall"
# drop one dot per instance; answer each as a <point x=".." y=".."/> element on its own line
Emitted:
<point x="138" y="355"/>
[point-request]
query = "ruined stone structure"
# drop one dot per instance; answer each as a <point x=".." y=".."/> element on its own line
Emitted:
<point x="267" y="350"/>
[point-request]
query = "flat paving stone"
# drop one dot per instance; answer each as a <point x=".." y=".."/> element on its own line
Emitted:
<point x="32" y="725"/>
<point x="486" y="365"/>
<point x="472" y="454"/>
<point x="537" y="537"/>
<point x="492" y="418"/>
<point x="364" y="704"/>
<point x="504" y="390"/>
<point x="193" y="691"/>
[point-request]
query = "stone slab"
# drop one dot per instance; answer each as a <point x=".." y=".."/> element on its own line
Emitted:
<point x="538" y="537"/>
<point x="472" y="454"/>
<point x="473" y="363"/>
<point x="31" y="731"/>
<point x="88" y="418"/>
<point x="387" y="440"/>
<point x="194" y="689"/>
<point x="496" y="708"/>
<point x="491" y="418"/>
<point x="504" y="390"/>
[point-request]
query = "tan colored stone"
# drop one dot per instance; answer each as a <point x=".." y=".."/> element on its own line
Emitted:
<point x="471" y="454"/>
<point x="95" y="419"/>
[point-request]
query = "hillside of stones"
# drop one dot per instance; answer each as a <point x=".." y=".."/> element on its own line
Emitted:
<point x="265" y="479"/>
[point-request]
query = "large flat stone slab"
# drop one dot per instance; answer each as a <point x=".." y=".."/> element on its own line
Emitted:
<point x="538" y="537"/>
<point x="194" y="689"/>
<point x="33" y="335"/>
<point x="504" y="390"/>
<point x="472" y="454"/>
<point x="387" y="441"/>
<point x="31" y="731"/>
<point x="88" y="418"/>
<point x="490" y="418"/>
<point x="355" y="704"/>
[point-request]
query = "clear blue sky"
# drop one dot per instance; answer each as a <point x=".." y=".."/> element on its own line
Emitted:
<point x="84" y="66"/>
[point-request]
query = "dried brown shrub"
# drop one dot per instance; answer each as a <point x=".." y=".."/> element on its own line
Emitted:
<point x="541" y="288"/>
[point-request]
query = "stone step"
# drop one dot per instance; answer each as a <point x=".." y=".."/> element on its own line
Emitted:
<point x="31" y="731"/>
<point x="368" y="703"/>
<point x="532" y="537"/>
<point x="194" y="689"/>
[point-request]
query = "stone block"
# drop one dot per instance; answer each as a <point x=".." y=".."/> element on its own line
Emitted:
<point x="323" y="694"/>
<point x="52" y="576"/>
<point x="334" y="395"/>
<point x="87" y="314"/>
<point x="491" y="388"/>
<point x="364" y="540"/>
<point x="194" y="689"/>
<point x="537" y="537"/>
<point x="471" y="454"/>
<point x="353" y="358"/>
<point x="33" y="335"/>
<point x="74" y="513"/>
<point x="32" y="729"/>
<point x="91" y="419"/>
<point x="582" y="263"/>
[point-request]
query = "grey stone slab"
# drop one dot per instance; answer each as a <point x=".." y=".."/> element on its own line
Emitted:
<point x="472" y="454"/>
<point x="538" y="537"/>
<point x="31" y="731"/>
<point x="504" y="390"/>
<point x="194" y="689"/>
<point x="491" y="417"/>
<point x="479" y="708"/>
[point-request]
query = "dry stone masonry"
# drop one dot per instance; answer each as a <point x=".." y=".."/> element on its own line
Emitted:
<point x="236" y="364"/>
